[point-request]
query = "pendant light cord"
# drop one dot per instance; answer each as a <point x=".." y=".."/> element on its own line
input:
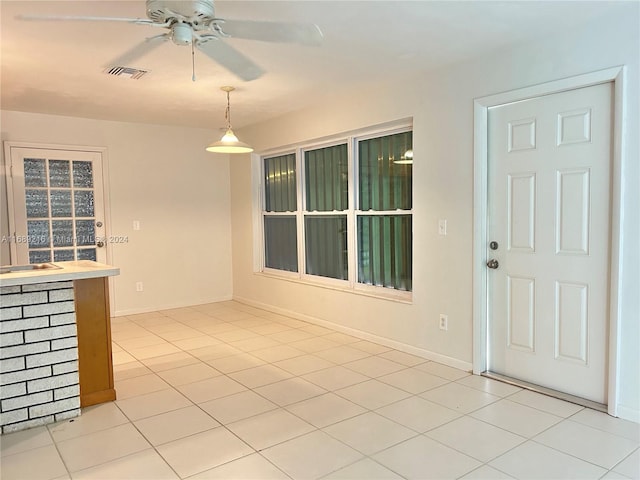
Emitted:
<point x="227" y="113"/>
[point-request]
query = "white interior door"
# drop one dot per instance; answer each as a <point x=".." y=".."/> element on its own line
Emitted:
<point x="549" y="214"/>
<point x="58" y="205"/>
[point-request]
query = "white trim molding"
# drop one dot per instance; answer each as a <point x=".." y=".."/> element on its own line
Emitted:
<point x="480" y="239"/>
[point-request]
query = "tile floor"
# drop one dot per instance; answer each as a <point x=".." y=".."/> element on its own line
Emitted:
<point x="227" y="391"/>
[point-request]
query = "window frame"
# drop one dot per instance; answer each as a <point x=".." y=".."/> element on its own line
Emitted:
<point x="264" y="213"/>
<point x="351" y="285"/>
<point x="337" y="283"/>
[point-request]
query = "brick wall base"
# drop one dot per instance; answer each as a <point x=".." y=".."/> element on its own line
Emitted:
<point x="39" y="381"/>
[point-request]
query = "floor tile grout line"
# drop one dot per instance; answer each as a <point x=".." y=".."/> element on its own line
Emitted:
<point x="483" y="462"/>
<point x="101" y="463"/>
<point x="590" y="462"/>
<point x="586" y="409"/>
<point x="405" y="367"/>
<point x="152" y="446"/>
<point x="612" y="469"/>
<point x="55" y="444"/>
<point x="243" y="326"/>
<point x="281" y="407"/>
<point x="486" y="464"/>
<point x="220" y="425"/>
<point x="284" y="407"/>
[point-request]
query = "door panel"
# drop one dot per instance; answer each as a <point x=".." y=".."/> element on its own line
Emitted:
<point x="58" y="205"/>
<point x="549" y="211"/>
<point x="521" y="296"/>
<point x="521" y="196"/>
<point x="572" y="212"/>
<point x="571" y="322"/>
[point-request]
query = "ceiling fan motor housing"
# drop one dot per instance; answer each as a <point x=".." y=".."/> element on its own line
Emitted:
<point x="181" y="34"/>
<point x="192" y="11"/>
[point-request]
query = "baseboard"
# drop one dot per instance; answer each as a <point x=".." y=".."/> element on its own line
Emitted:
<point x="387" y="342"/>
<point x="156" y="308"/>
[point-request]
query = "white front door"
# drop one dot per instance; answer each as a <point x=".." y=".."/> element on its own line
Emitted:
<point x="58" y="206"/>
<point x="549" y="216"/>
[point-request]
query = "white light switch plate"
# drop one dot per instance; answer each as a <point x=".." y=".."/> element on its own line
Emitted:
<point x="442" y="227"/>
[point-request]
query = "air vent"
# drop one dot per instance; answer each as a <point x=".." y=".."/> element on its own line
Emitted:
<point x="129" y="72"/>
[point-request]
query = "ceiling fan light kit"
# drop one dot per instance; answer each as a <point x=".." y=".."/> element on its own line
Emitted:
<point x="229" y="143"/>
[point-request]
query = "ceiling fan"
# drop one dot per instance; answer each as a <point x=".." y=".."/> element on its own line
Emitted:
<point x="194" y="23"/>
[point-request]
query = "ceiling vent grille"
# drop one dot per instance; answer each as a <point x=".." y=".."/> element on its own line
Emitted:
<point x="132" y="73"/>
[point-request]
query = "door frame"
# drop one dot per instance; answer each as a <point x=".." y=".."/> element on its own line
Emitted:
<point x="480" y="199"/>
<point x="8" y="145"/>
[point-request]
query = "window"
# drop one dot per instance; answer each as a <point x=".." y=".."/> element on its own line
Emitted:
<point x="325" y="216"/>
<point x="280" y="231"/>
<point x="341" y="213"/>
<point x="384" y="190"/>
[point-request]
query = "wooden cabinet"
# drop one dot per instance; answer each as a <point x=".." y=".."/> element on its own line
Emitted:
<point x="93" y="322"/>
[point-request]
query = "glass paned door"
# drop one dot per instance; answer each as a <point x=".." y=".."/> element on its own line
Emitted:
<point x="58" y="210"/>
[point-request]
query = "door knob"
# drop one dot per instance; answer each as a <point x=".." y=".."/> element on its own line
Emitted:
<point x="493" y="263"/>
<point x="100" y="244"/>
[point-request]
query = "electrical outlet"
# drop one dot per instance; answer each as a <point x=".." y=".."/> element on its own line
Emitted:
<point x="139" y="287"/>
<point x="444" y="321"/>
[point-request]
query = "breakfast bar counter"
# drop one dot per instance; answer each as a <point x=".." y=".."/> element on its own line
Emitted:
<point x="55" y="341"/>
<point x="54" y="272"/>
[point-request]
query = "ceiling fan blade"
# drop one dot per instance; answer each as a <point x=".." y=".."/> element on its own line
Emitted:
<point x="302" y="33"/>
<point x="65" y="18"/>
<point x="230" y="58"/>
<point x="139" y="50"/>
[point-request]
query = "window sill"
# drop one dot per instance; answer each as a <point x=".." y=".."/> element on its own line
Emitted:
<point x="363" y="290"/>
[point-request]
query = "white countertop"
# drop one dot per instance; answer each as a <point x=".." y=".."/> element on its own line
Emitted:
<point x="68" y="271"/>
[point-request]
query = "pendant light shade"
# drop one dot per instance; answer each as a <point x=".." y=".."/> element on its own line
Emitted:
<point x="229" y="143"/>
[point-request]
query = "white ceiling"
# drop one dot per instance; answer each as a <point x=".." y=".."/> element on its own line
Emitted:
<point x="57" y="67"/>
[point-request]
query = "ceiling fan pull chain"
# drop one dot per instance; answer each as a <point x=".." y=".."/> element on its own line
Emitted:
<point x="193" y="63"/>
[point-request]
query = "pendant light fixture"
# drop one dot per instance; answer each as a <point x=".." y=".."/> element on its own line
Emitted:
<point x="229" y="143"/>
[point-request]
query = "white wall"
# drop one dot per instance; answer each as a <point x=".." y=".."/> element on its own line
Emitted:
<point x="5" y="247"/>
<point x="162" y="177"/>
<point x="441" y="104"/>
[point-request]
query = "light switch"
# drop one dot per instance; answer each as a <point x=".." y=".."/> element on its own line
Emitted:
<point x="442" y="227"/>
<point x="136" y="224"/>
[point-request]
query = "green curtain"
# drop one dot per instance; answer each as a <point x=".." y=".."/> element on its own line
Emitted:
<point x="385" y="241"/>
<point x="384" y="184"/>
<point x="280" y="232"/>
<point x="327" y="179"/>
<point x="327" y="190"/>
<point x="326" y="246"/>
<point x="280" y="183"/>
<point x="384" y="251"/>
<point x="280" y="242"/>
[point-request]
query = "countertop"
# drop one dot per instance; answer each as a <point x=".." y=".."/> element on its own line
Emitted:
<point x="68" y="271"/>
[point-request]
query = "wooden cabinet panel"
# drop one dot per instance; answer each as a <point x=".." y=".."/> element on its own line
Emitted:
<point x="94" y="341"/>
